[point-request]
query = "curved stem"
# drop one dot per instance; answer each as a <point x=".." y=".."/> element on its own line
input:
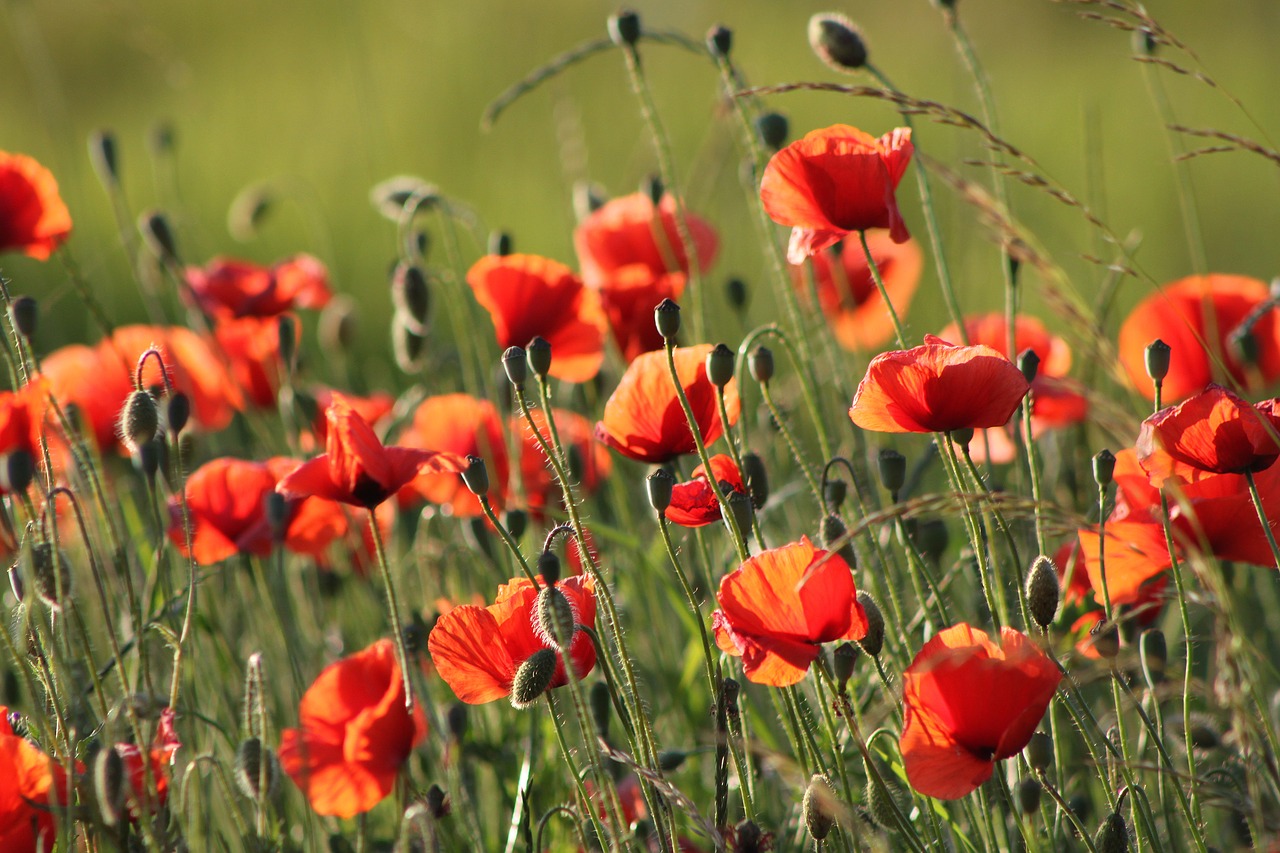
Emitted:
<point x="393" y="609"/>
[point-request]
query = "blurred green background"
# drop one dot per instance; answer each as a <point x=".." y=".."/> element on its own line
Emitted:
<point x="332" y="96"/>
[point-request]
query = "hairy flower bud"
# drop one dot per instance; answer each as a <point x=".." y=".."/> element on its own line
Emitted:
<point x="110" y="785"/>
<point x="873" y="641"/>
<point x="756" y="479"/>
<point x="549" y="567"/>
<point x="816" y="808"/>
<point x="837" y="41"/>
<point x="24" y="313"/>
<point x="51" y="571"/>
<point x="833" y="536"/>
<point x="1039" y="752"/>
<point x="1043" y="590"/>
<point x="257" y="770"/>
<point x="139" y="420"/>
<point x="553" y="618"/>
<point x="177" y="412"/>
<point x="532" y="678"/>
<point x="1113" y="835"/>
<point x="834" y="493"/>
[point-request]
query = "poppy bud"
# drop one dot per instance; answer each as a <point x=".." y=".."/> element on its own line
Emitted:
<point x="1029" y="791"/>
<point x="833" y="531"/>
<point x="538" y="354"/>
<point x="17" y="470"/>
<point x="735" y="290"/>
<point x="407" y="345"/>
<point x="411" y="296"/>
<point x="873" y="641"/>
<point x="287" y="333"/>
<point x="587" y="199"/>
<point x="720" y="365"/>
<point x="476" y="476"/>
<point x="1113" y="835"/>
<point x="1244" y="343"/>
<point x="256" y="765"/>
<point x="834" y="493"/>
<point x="931" y="537"/>
<point x="549" y="567"/>
<point x="756" y="479"/>
<point x="773" y="130"/>
<point x="1144" y="42"/>
<point x="177" y="412"/>
<point x="653" y="188"/>
<point x="553" y="618"/>
<point x="659" y="485"/>
<point x="438" y="803"/>
<point x="338" y="324"/>
<point x="740" y="506"/>
<point x="110" y="785"/>
<point x="1106" y="639"/>
<point x="1044" y="591"/>
<point x="1153" y="651"/>
<point x="1157" y="358"/>
<point x="102" y="154"/>
<point x="837" y="41"/>
<point x="880" y="801"/>
<point x="532" y="678"/>
<point x="414" y="635"/>
<point x="893" y="470"/>
<point x="816" y="807"/>
<point x="149" y="458"/>
<point x="601" y="707"/>
<point x="517" y="521"/>
<point x="1029" y="364"/>
<point x="720" y="40"/>
<point x="24" y="314"/>
<point x="514" y="362"/>
<point x="155" y="229"/>
<point x="500" y="243"/>
<point x="1039" y="752"/>
<point x="624" y="28"/>
<point x="139" y="419"/>
<point x="248" y="210"/>
<point x="275" y="508"/>
<point x="761" y="363"/>
<point x="730" y="688"/>
<point x="456" y="719"/>
<point x="962" y="437"/>
<point x="52" y="573"/>
<point x="842" y="661"/>
<point x="1104" y="468"/>
<point x="666" y="316"/>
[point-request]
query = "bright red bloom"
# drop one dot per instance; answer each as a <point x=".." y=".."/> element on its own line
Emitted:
<point x="226" y="505"/>
<point x="477" y="650"/>
<point x="1193" y="314"/>
<point x="21" y="417"/>
<point x="226" y="288"/>
<point x="1214" y="432"/>
<point x="252" y="348"/>
<point x="372" y="408"/>
<point x="589" y="461"/>
<point x="643" y="419"/>
<point x="781" y="605"/>
<point x="356" y="468"/>
<point x="465" y="426"/>
<point x="33" y="218"/>
<point x="834" y="182"/>
<point x="355" y="733"/>
<point x="529" y="296"/>
<point x="30" y="783"/>
<point x="970" y="703"/>
<point x="693" y="503"/>
<point x="632" y="254"/>
<point x="847" y="293"/>
<point x="938" y="387"/>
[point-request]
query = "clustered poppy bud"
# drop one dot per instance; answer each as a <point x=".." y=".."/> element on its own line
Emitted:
<point x="17" y="469"/>
<point x="735" y="290"/>
<point x="1104" y="468"/>
<point x="720" y="40"/>
<point x="24" y="313"/>
<point x="755" y="478"/>
<point x="761" y="363"/>
<point x="539" y="356"/>
<point x="476" y="476"/>
<point x="773" y="130"/>
<point x="139" y="419"/>
<point x="177" y="412"/>
<point x="842" y="661"/>
<point x="837" y="41"/>
<point x="554" y="618"/>
<point x="52" y="573"/>
<point x="659" y="485"/>
<point x="1113" y="835"/>
<point x="624" y="28"/>
<point x="1153" y="651"/>
<point x="155" y="229"/>
<point x="255" y="767"/>
<point x="532" y="678"/>
<point x="516" y="365"/>
<point x="1044" y="591"/>
<point x="500" y="243"/>
<point x="816" y="807"/>
<point x="833" y="531"/>
<point x="103" y="156"/>
<point x="666" y="316"/>
<point x="1039" y="752"/>
<point x="873" y="641"/>
<point x="549" y="566"/>
<point x="110" y="785"/>
<point x="601" y="707"/>
<point x="720" y="365"/>
<point x="1029" y="364"/>
<point x="833" y="494"/>
<point x="411" y="296"/>
<point x="1157" y="360"/>
<point x="1029" y="791"/>
<point x="893" y="471"/>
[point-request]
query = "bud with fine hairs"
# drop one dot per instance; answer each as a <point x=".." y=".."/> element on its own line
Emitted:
<point x="756" y="479"/>
<point x="817" y="808"/>
<point x="532" y="678"/>
<point x="838" y="42"/>
<point x="873" y="641"/>
<point x="110" y="785"/>
<point x="411" y="296"/>
<point x="1043" y="591"/>
<point x="139" y="420"/>
<point x="257" y="769"/>
<point x="51" y="571"/>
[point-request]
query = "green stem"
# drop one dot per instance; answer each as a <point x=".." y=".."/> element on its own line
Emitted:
<point x="393" y="610"/>
<point x="884" y="294"/>
<point x="1262" y="517"/>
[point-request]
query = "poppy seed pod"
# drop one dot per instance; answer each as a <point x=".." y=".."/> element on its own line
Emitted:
<point x="755" y="478"/>
<point x="17" y="469"/>
<point x="554" y="618"/>
<point x="500" y="243"/>
<point x="1044" y="591"/>
<point x="1157" y="360"/>
<point x="892" y="466"/>
<point x="516" y="366"/>
<point x="962" y="437"/>
<point x="842" y="661"/>
<point x="549" y="567"/>
<point x="139" y="420"/>
<point x="1113" y="835"/>
<point x="720" y="40"/>
<point x="666" y="316"/>
<point x="1028" y="795"/>
<point x="1153" y="651"/>
<point x="155" y="229"/>
<point x="110" y="785"/>
<point x="837" y="41"/>
<point x="601" y="707"/>
<point x="256" y="765"/>
<point x="476" y="476"/>
<point x="816" y="807"/>
<point x="624" y="28"/>
<point x="177" y="412"/>
<point x="720" y="366"/>
<point x="24" y="313"/>
<point x="833" y="531"/>
<point x="773" y="130"/>
<point x="1104" y="468"/>
<point x="834" y="493"/>
<point x="1039" y="752"/>
<point x="103" y="156"/>
<point x="456" y="721"/>
<point x="873" y="641"/>
<point x="735" y="291"/>
<point x="761" y="363"/>
<point x="1029" y="364"/>
<point x="411" y="296"/>
<point x="532" y="678"/>
<point x="538" y="353"/>
<point x="659" y="485"/>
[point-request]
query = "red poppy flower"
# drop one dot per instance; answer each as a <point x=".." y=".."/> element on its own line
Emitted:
<point x="372" y="408"/>
<point x="991" y="330"/>
<point x="21" y="419"/>
<point x="355" y="733"/>
<point x="847" y="293"/>
<point x="938" y="387"/>
<point x="227" y="288"/>
<point x="1214" y="432"/>
<point x="1144" y="611"/>
<point x="693" y="503"/>
<point x="1196" y="316"/>
<point x="30" y="783"/>
<point x="477" y="650"/>
<point x="589" y="461"/>
<point x="632" y="254"/>
<point x="781" y="605"/>
<point x="643" y="419"/>
<point x="466" y="426"/>
<point x="529" y="296"/>
<point x="160" y="756"/>
<point x="834" y="182"/>
<point x="226" y="506"/>
<point x="970" y="703"/>
<point x="252" y="348"/>
<point x="33" y="218"/>
<point x="356" y="468"/>
<point x="1055" y="403"/>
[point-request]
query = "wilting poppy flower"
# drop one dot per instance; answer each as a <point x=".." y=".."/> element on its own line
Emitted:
<point x="1196" y="317"/>
<point x="226" y="288"/>
<point x="834" y="182"/>
<point x="1214" y="432"/>
<point x="355" y="733"/>
<point x="643" y="419"/>
<point x="477" y="650"/>
<point x="356" y="468"/>
<point x="847" y="293"/>
<point x="938" y="387"/>
<point x="589" y="461"/>
<point x="464" y="426"/>
<point x="693" y="503"/>
<point x="30" y="783"/>
<point x="781" y="605"/>
<point x="33" y="218"/>
<point x="632" y="254"/>
<point x="529" y="296"/>
<point x="252" y="348"/>
<point x="970" y="703"/>
<point x="226" y="507"/>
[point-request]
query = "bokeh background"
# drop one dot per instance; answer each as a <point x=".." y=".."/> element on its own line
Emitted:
<point x="328" y="97"/>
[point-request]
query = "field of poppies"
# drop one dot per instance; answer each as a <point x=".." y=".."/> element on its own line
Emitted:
<point x="624" y="551"/>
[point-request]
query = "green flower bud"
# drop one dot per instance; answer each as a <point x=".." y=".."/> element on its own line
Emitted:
<point x="1157" y="360"/>
<point x="773" y="130"/>
<point x="720" y="366"/>
<point x="666" y="316"/>
<point x="1043" y="591"/>
<point x="719" y="40"/>
<point x="873" y="641"/>
<point x="532" y="678"/>
<point x="24" y="314"/>
<point x="1104" y="468"/>
<point x="476" y="476"/>
<point x="816" y="808"/>
<point x="1039" y="752"/>
<point x="761" y="363"/>
<point x="756" y="479"/>
<point x="539" y="356"/>
<point x="624" y="28"/>
<point x="837" y="41"/>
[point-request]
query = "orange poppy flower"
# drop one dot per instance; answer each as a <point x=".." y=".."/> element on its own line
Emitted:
<point x="991" y="330"/>
<point x="632" y="254"/>
<point x="529" y="296"/>
<point x="226" y="506"/>
<point x="252" y="348"/>
<point x="1214" y="432"/>
<point x="355" y="733"/>
<point x="938" y="387"/>
<point x="30" y="783"/>
<point x="970" y="703"/>
<point x="833" y="182"/>
<point x="477" y="650"/>
<point x="227" y="288"/>
<point x="465" y="426"/>
<point x="356" y="468"/>
<point x="781" y="605"/>
<point x="847" y="294"/>
<point x="643" y="418"/>
<point x="1190" y="315"/>
<point x="1055" y="403"/>
<point x="589" y="461"/>
<point x="33" y="218"/>
<point x="693" y="503"/>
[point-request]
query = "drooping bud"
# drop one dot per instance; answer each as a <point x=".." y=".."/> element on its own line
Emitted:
<point x="24" y="314"/>
<point x="755" y="478"/>
<point x="834" y="493"/>
<point x="532" y="678"/>
<point x="601" y="707"/>
<point x="538" y="354"/>
<point x="476" y="476"/>
<point x="893" y="470"/>
<point x="881" y="801"/>
<point x="437" y="801"/>
<point x="139" y="420"/>
<point x="549" y="566"/>
<point x="1039" y="752"/>
<point x="624" y="28"/>
<point x="873" y="641"/>
<point x="17" y="469"/>
<point x="553" y="618"/>
<point x="842" y="661"/>
<point x="500" y="243"/>
<point x="110" y="785"/>
<point x="407" y="345"/>
<point x="816" y="808"/>
<point x="52" y="573"/>
<point x="1104" y="468"/>
<point x="257" y="769"/>
<point x="1044" y="591"/>
<point x="411" y="296"/>
<point x="1029" y="791"/>
<point x="338" y="325"/>
<point x="1157" y="360"/>
<point x="666" y="316"/>
<point x="837" y="41"/>
<point x="1029" y="364"/>
<point x="1113" y="835"/>
<point x="103" y="156"/>
<point x="773" y="130"/>
<point x="659" y="485"/>
<point x="833" y="532"/>
<point x="517" y="521"/>
<point x="761" y="363"/>
<point x="158" y="236"/>
<point x="177" y="412"/>
<point x="720" y="40"/>
<point x="1153" y="651"/>
<point x="720" y="366"/>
